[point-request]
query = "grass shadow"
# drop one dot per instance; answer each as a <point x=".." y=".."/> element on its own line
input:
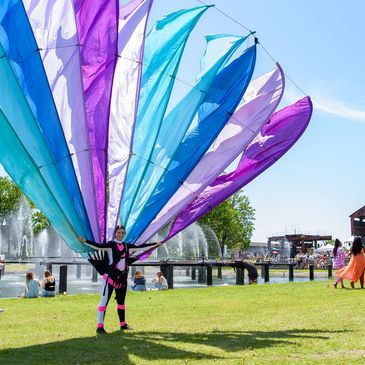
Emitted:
<point x="153" y="345"/>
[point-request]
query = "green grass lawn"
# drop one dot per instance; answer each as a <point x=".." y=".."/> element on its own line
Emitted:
<point x="294" y="323"/>
<point x="19" y="268"/>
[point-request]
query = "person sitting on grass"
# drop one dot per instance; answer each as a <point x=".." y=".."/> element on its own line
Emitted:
<point x="139" y="281"/>
<point x="160" y="282"/>
<point x="356" y="267"/>
<point x="31" y="286"/>
<point x="48" y="284"/>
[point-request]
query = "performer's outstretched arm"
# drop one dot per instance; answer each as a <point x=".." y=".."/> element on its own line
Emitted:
<point x="95" y="245"/>
<point x="131" y="245"/>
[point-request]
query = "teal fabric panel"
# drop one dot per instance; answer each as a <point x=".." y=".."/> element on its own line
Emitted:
<point x="17" y="111"/>
<point x="163" y="51"/>
<point x="25" y="173"/>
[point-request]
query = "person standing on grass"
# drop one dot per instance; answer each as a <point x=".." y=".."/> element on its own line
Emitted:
<point x="31" y="286"/>
<point x="114" y="271"/>
<point x="355" y="269"/>
<point x="339" y="256"/>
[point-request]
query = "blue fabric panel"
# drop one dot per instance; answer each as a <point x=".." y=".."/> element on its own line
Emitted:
<point x="19" y="43"/>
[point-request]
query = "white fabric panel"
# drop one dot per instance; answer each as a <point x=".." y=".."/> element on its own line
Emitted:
<point x="124" y="102"/>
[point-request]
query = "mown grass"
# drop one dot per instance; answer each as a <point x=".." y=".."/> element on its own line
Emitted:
<point x="294" y="323"/>
<point x="18" y="268"/>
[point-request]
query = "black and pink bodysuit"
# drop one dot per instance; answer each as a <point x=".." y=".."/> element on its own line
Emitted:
<point x="112" y="265"/>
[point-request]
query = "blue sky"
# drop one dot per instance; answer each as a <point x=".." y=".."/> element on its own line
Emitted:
<point x="319" y="44"/>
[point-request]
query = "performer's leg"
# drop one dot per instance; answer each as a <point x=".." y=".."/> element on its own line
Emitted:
<point x="107" y="291"/>
<point x="120" y="297"/>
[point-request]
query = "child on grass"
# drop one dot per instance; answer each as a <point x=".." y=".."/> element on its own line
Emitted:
<point x="31" y="286"/>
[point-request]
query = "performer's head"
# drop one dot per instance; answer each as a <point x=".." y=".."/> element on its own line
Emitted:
<point x="119" y="232"/>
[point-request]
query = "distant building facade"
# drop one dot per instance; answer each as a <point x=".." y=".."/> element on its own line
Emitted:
<point x="358" y="223"/>
<point x="257" y="248"/>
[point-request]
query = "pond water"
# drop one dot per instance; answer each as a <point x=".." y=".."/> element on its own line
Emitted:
<point x="12" y="283"/>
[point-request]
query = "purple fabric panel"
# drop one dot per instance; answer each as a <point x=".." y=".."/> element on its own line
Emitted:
<point x="97" y="24"/>
<point x="275" y="139"/>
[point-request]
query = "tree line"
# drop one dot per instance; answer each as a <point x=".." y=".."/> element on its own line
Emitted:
<point x="232" y="221"/>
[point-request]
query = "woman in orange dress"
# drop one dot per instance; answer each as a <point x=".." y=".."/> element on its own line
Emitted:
<point x="356" y="267"/>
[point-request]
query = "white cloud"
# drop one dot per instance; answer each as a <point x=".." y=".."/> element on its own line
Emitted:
<point x="328" y="104"/>
<point x="339" y="108"/>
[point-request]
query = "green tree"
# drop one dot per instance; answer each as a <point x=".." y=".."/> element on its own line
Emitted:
<point x="10" y="196"/>
<point x="232" y="221"/>
<point x="39" y="221"/>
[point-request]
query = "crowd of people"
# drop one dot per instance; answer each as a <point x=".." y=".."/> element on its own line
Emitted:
<point x="349" y="264"/>
<point x="319" y="260"/>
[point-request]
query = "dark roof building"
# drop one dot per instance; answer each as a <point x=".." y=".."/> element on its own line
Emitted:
<point x="358" y="223"/>
<point x="299" y="242"/>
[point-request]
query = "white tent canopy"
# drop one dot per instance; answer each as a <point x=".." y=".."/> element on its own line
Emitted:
<point x="326" y="248"/>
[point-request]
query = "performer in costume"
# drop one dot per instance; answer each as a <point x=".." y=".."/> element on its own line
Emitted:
<point x="111" y="260"/>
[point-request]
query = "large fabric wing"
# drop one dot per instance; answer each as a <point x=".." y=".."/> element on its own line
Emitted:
<point x="261" y="99"/>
